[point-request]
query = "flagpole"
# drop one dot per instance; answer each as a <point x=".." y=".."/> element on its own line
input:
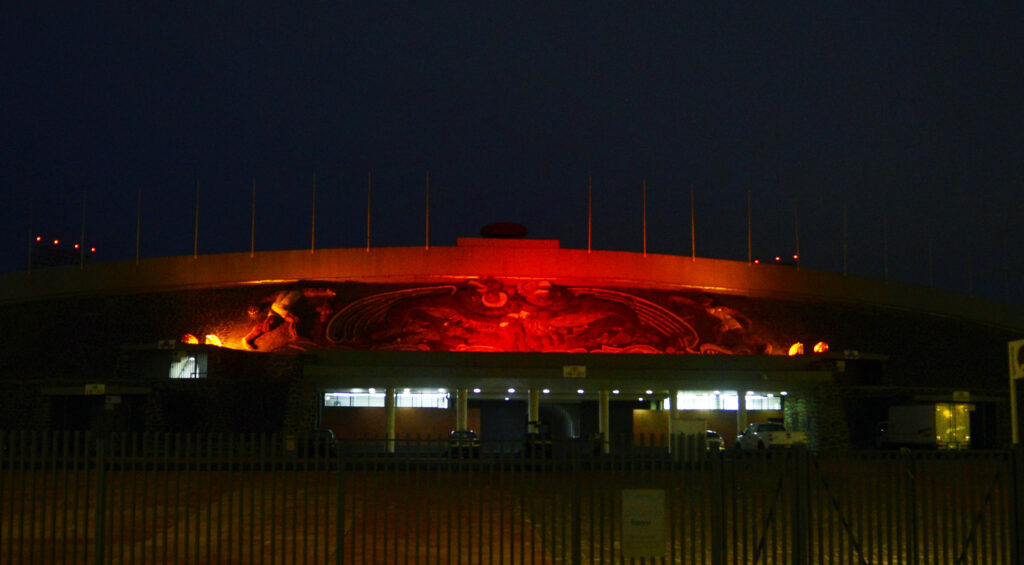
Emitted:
<point x="845" y="236"/>
<point x="693" y="228"/>
<point x="931" y="263"/>
<point x="970" y="273"/>
<point x="885" y="246"/>
<point x="426" y="237"/>
<point x="750" y="256"/>
<point x="1006" y="263"/>
<point x="195" y="236"/>
<point x="138" y="225"/>
<point x="796" y="231"/>
<point x="81" y="247"/>
<point x="645" y="216"/>
<point x="312" y="234"/>
<point x="31" y="222"/>
<point x="252" y="222"/>
<point x="590" y="212"/>
<point x="369" y="195"/>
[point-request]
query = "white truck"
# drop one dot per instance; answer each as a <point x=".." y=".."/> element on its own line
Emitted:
<point x="927" y="426"/>
<point x="769" y="435"/>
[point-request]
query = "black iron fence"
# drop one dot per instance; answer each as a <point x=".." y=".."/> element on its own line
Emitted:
<point x="162" y="498"/>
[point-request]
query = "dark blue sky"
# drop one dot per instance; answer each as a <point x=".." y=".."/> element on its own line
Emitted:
<point x="909" y="116"/>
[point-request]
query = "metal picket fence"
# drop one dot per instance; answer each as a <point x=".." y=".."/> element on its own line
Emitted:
<point x="268" y="499"/>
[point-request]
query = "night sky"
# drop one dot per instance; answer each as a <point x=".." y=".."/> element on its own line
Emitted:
<point x="909" y="118"/>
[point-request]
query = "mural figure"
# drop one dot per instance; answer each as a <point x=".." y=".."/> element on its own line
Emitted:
<point x="285" y="308"/>
<point x="724" y="330"/>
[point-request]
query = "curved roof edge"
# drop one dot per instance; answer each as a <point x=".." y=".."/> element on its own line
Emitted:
<point x="418" y="265"/>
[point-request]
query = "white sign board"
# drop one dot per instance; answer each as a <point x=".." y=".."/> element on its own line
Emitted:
<point x="643" y="523"/>
<point x="1017" y="359"/>
<point x="1016" y="351"/>
<point x="574" y="371"/>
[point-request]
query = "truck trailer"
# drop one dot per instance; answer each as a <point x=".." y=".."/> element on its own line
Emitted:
<point x="927" y="426"/>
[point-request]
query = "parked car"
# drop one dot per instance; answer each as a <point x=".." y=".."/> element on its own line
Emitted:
<point x="769" y="435"/>
<point x="463" y="444"/>
<point x="714" y="441"/>
<point x="319" y="443"/>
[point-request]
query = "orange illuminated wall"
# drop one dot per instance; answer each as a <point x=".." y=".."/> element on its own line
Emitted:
<point x="410" y="423"/>
<point x="509" y="316"/>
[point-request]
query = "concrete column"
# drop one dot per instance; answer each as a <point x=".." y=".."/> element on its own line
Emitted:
<point x="462" y="409"/>
<point x="533" y="410"/>
<point x="389" y="417"/>
<point x="741" y="411"/>
<point x="674" y="416"/>
<point x="603" y="421"/>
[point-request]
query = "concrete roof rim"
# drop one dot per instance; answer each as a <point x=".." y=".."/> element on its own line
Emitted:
<point x="897" y="296"/>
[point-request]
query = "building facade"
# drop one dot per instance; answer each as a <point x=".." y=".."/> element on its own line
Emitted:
<point x="507" y="337"/>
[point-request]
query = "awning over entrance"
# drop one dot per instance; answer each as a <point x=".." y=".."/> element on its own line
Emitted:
<point x="563" y="374"/>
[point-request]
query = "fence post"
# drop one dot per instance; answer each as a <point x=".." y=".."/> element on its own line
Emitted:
<point x="1017" y="505"/>
<point x="101" y="500"/>
<point x="801" y="506"/>
<point x="911" y="502"/>
<point x="339" y="525"/>
<point x="577" y="510"/>
<point x="717" y="508"/>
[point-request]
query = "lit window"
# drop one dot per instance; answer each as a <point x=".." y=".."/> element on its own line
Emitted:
<point x="725" y="400"/>
<point x="188" y="365"/>
<point x="355" y="398"/>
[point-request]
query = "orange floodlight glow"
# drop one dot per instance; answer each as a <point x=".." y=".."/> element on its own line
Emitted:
<point x="796" y="349"/>
<point x="212" y="339"/>
<point x="821" y="347"/>
<point x="190" y="339"/>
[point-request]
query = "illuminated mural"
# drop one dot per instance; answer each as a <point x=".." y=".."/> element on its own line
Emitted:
<point x="502" y="316"/>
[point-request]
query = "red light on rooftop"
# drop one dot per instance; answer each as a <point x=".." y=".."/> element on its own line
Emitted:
<point x="56" y="242"/>
<point x="39" y="238"/>
<point x="92" y="249"/>
<point x="757" y="261"/>
<point x="795" y="256"/>
<point x="76" y="246"/>
<point x="777" y="258"/>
